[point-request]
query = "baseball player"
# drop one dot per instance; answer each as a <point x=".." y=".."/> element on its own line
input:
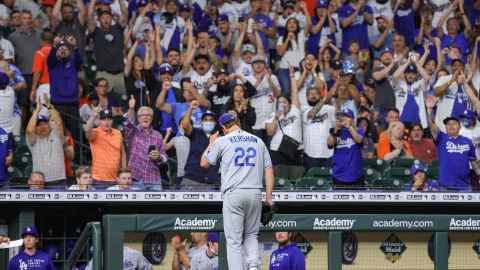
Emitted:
<point x="243" y="159"/>
<point x="207" y="260"/>
<point x="30" y="258"/>
<point x="132" y="260"/>
<point x="288" y="255"/>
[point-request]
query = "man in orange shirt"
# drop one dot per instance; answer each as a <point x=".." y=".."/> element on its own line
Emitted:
<point x="41" y="81"/>
<point x="108" y="152"/>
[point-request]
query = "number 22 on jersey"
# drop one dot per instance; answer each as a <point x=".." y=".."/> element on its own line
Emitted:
<point x="244" y="157"/>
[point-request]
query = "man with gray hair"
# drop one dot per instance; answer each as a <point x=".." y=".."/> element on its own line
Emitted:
<point x="147" y="150"/>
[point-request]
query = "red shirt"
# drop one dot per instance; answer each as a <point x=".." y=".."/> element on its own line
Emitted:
<point x="424" y="150"/>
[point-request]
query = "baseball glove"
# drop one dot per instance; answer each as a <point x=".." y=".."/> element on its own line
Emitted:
<point x="267" y="213"/>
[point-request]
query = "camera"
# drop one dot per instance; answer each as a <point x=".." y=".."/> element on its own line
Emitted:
<point x="140" y="36"/>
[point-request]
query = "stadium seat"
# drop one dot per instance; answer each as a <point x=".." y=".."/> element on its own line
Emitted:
<point x="432" y="172"/>
<point x="400" y="173"/>
<point x="325" y="172"/>
<point x="388" y="184"/>
<point x="434" y="163"/>
<point x="28" y="170"/>
<point x="21" y="150"/>
<point x="282" y="184"/>
<point x="290" y="172"/>
<point x="375" y="163"/>
<point x="18" y="182"/>
<point x="21" y="161"/>
<point x="371" y="175"/>
<point x="14" y="172"/>
<point x="310" y="183"/>
<point x="405" y="162"/>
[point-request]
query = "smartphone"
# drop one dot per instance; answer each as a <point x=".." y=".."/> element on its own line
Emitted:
<point x="241" y="19"/>
<point x="151" y="148"/>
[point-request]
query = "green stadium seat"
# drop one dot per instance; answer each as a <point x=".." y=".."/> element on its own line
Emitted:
<point x="23" y="160"/>
<point x="29" y="169"/>
<point x="375" y="163"/>
<point x="310" y="183"/>
<point x="370" y="175"/>
<point x="405" y="162"/>
<point x="388" y="184"/>
<point x="432" y="172"/>
<point x="434" y="163"/>
<point x="282" y="184"/>
<point x="400" y="173"/>
<point x="21" y="150"/>
<point x="290" y="172"/>
<point x="14" y="172"/>
<point x="18" y="182"/>
<point x="323" y="172"/>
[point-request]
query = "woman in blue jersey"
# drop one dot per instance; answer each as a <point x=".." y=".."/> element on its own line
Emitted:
<point x="419" y="179"/>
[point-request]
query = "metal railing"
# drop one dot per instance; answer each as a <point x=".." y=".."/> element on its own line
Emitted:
<point x="92" y="230"/>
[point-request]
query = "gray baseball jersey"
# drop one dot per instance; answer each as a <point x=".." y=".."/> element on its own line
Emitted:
<point x="201" y="261"/>
<point x="132" y="260"/>
<point x="243" y="158"/>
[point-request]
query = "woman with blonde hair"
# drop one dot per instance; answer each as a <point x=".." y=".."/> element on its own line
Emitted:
<point x="394" y="145"/>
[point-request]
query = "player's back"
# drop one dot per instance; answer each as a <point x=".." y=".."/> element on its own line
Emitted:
<point x="243" y="159"/>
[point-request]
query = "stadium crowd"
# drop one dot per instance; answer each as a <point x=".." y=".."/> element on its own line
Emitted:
<point x="323" y="83"/>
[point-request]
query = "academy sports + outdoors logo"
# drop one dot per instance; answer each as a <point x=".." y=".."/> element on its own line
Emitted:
<point x="281" y="224"/>
<point x="194" y="224"/>
<point x="333" y="224"/>
<point x="464" y="224"/>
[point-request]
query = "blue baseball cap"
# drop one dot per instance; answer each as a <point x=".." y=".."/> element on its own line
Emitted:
<point x="451" y="117"/>
<point x="165" y="67"/>
<point x="4" y="79"/>
<point x="142" y="3"/>
<point x="213" y="237"/>
<point x="183" y="8"/>
<point x="105" y="2"/>
<point x="322" y="4"/>
<point x="30" y="231"/>
<point x="208" y="112"/>
<point x="411" y="69"/>
<point x="42" y="118"/>
<point x="387" y="50"/>
<point x="226" y="118"/>
<point x="417" y="167"/>
<point x="222" y="17"/>
<point x="348" y="112"/>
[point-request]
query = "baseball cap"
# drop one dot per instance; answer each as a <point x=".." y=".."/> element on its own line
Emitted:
<point x="289" y="4"/>
<point x="208" y="112"/>
<point x="4" y="79"/>
<point x="183" y="8"/>
<point x="104" y="11"/>
<point x="222" y="17"/>
<point x="387" y="50"/>
<point x="220" y="71"/>
<point x="63" y="42"/>
<point x="259" y="58"/>
<point x="348" y="67"/>
<point x="106" y="114"/>
<point x="335" y="64"/>
<point x="348" y="112"/>
<point x="451" y="117"/>
<point x="417" y="167"/>
<point x="105" y="2"/>
<point x="226" y="118"/>
<point x="381" y="17"/>
<point x="202" y="56"/>
<point x="141" y="3"/>
<point x="469" y="114"/>
<point x="457" y="59"/>
<point x="146" y="27"/>
<point x="165" y="67"/>
<point x="322" y="4"/>
<point x="248" y="48"/>
<point x="30" y="231"/>
<point x="213" y="236"/>
<point x="411" y="68"/>
<point x="42" y="118"/>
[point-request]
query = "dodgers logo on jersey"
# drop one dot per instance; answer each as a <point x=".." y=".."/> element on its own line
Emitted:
<point x="23" y="265"/>
<point x="3" y="138"/>
<point x="347" y="143"/>
<point x="320" y="118"/>
<point x="457" y="148"/>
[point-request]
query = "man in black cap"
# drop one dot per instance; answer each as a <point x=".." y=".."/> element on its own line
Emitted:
<point x="455" y="152"/>
<point x="108" y="152"/>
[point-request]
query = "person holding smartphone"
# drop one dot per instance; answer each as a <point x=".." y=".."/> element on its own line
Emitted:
<point x="147" y="150"/>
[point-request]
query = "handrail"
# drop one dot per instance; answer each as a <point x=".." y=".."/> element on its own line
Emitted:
<point x="93" y="230"/>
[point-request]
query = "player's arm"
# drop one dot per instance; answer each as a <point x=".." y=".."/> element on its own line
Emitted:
<point x="210" y="155"/>
<point x="269" y="180"/>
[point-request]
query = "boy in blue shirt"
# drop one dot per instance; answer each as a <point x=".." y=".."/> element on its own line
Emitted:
<point x="30" y="258"/>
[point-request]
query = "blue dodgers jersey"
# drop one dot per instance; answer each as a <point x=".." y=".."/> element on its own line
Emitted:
<point x="5" y="148"/>
<point x="357" y="30"/>
<point x="287" y="258"/>
<point x="38" y="261"/>
<point x="347" y="162"/>
<point x="454" y="155"/>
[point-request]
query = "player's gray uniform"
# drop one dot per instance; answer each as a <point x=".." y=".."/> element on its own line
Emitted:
<point x="132" y="260"/>
<point x="201" y="261"/>
<point x="244" y="157"/>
